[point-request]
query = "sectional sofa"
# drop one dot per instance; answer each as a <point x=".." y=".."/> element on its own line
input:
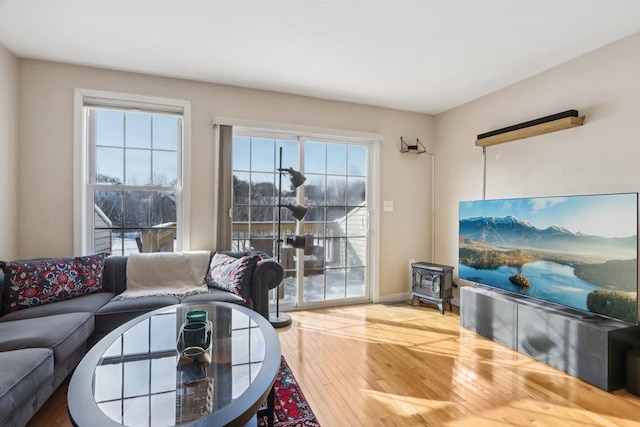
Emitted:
<point x="41" y="345"/>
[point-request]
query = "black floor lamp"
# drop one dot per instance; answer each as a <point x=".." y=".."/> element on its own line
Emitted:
<point x="298" y="212"/>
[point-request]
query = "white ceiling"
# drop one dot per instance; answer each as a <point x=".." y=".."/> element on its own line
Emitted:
<point x="422" y="56"/>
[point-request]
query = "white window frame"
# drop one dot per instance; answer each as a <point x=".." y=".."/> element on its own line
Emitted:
<point x="82" y="200"/>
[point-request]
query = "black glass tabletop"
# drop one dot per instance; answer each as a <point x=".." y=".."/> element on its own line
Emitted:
<point x="145" y="374"/>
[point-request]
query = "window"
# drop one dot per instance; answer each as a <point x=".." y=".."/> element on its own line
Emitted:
<point x="133" y="188"/>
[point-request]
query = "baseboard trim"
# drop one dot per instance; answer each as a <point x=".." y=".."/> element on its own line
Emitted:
<point x="404" y="296"/>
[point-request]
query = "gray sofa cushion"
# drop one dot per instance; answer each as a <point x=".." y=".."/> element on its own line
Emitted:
<point x="63" y="333"/>
<point x="116" y="313"/>
<point x="25" y="373"/>
<point x="214" y="295"/>
<point x="88" y="303"/>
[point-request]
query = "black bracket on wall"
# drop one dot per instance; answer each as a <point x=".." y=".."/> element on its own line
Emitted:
<point x="418" y="148"/>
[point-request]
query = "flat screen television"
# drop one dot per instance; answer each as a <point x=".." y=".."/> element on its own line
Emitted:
<point x="577" y="251"/>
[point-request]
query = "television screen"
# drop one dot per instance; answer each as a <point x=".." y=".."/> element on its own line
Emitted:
<point x="577" y="251"/>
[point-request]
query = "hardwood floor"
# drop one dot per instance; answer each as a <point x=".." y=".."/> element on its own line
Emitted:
<point x="398" y="365"/>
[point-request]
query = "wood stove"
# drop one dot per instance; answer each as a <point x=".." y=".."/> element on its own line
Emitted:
<point x="432" y="282"/>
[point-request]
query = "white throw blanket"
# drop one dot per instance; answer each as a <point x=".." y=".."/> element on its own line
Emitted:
<point x="166" y="273"/>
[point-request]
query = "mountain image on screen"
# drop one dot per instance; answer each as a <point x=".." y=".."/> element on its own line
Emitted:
<point x="503" y="244"/>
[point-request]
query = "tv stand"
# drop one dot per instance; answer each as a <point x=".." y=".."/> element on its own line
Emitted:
<point x="592" y="348"/>
<point x="588" y="317"/>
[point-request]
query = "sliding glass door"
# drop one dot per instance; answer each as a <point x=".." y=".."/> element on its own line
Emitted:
<point x="332" y="264"/>
<point x="335" y="265"/>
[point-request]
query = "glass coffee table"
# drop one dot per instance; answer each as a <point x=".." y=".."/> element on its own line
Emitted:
<point x="136" y="377"/>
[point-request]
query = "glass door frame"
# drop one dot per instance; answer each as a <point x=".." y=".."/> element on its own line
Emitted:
<point x="372" y="144"/>
<point x="300" y="226"/>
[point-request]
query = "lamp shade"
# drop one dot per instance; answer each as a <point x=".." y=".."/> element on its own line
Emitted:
<point x="296" y="178"/>
<point x="297" y="211"/>
<point x="298" y="242"/>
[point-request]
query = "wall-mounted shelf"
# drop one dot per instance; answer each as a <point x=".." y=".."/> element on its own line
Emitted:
<point x="418" y="148"/>
<point x="553" y="123"/>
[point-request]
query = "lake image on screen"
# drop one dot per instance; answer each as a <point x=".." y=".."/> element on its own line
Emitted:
<point x="577" y="251"/>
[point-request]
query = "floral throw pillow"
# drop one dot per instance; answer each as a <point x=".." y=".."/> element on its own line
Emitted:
<point x="230" y="273"/>
<point x="31" y="283"/>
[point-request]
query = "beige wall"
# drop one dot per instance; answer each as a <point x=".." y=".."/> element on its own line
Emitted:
<point x="8" y="155"/>
<point x="46" y="152"/>
<point x="600" y="157"/>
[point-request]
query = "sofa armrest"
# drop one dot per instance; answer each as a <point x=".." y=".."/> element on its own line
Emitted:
<point x="267" y="275"/>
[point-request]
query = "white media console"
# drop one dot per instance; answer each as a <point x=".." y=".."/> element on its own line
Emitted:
<point x="593" y="349"/>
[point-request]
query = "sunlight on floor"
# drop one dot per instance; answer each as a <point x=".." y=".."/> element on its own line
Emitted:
<point x="407" y="405"/>
<point x="528" y="412"/>
<point x="398" y="365"/>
